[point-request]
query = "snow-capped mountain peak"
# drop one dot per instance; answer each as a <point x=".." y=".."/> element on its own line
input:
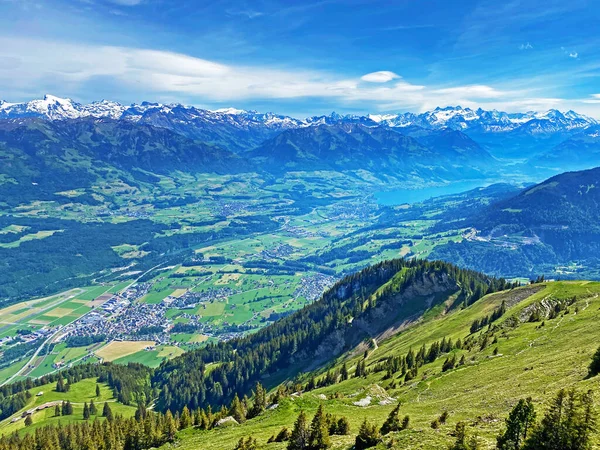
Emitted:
<point x="232" y="111"/>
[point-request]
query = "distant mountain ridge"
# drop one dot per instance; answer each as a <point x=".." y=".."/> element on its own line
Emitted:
<point x="542" y="229"/>
<point x="546" y="140"/>
<point x="454" y="117"/>
<point x="438" y="154"/>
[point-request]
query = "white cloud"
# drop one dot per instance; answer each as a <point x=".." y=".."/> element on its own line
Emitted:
<point x="527" y="46"/>
<point x="383" y="76"/>
<point x="573" y="55"/>
<point x="35" y="66"/>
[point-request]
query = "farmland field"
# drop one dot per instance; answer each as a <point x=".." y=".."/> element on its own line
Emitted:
<point x="119" y="349"/>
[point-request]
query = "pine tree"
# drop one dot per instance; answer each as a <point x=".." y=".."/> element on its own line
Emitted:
<point x="342" y="427"/>
<point x="86" y="411"/>
<point x="107" y="412"/>
<point x="462" y="442"/>
<point x="205" y="423"/>
<point x="300" y="435"/>
<point x="344" y="372"/>
<point x="236" y="410"/>
<point x="368" y="436"/>
<point x="60" y="384"/>
<point x="319" y="431"/>
<point x="57" y="411"/>
<point x="93" y="410"/>
<point x="185" y="420"/>
<point x="198" y="417"/>
<point x="392" y="423"/>
<point x="518" y="424"/>
<point x="170" y="427"/>
<point x="97" y="390"/>
<point x="28" y="420"/>
<point x="68" y="409"/>
<point x="260" y="401"/>
<point x="595" y="364"/>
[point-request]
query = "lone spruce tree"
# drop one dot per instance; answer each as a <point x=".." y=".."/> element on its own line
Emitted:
<point x="319" y="431"/>
<point x="300" y="436"/>
<point x="518" y="424"/>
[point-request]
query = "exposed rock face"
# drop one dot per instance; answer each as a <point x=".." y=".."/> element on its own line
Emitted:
<point x="406" y="306"/>
<point x="390" y="315"/>
<point x="227" y="421"/>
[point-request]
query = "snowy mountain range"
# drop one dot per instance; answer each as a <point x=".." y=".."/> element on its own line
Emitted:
<point x="56" y="108"/>
<point x="176" y="115"/>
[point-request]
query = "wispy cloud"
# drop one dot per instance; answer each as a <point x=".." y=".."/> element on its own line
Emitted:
<point x="527" y="46"/>
<point x="68" y="69"/>
<point x="570" y="53"/>
<point x="248" y="13"/>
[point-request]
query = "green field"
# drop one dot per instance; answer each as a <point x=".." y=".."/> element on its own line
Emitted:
<point x="151" y="358"/>
<point x="80" y="392"/>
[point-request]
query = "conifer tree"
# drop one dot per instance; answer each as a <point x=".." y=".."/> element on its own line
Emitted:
<point x="28" y="420"/>
<point x="185" y="420"/>
<point x="197" y="417"/>
<point x="86" y="411"/>
<point x="518" y="424"/>
<point x="107" y="412"/>
<point x="236" y="410"/>
<point x="93" y="410"/>
<point x="368" y="436"/>
<point x="260" y="401"/>
<point x="97" y="390"/>
<point x="300" y="435"/>
<point x="344" y="372"/>
<point x="170" y="427"/>
<point x="60" y="384"/>
<point x="392" y="423"/>
<point x="319" y="431"/>
<point x="462" y="442"/>
<point x="342" y="427"/>
<point x="67" y="408"/>
<point x="56" y="411"/>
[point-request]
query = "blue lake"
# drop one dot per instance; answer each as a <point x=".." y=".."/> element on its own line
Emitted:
<point x="402" y="196"/>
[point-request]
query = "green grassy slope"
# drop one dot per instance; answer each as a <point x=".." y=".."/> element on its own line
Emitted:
<point x="532" y="360"/>
<point x="80" y="392"/>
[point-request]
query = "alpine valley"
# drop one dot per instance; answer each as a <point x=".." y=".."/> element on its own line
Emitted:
<point x="174" y="277"/>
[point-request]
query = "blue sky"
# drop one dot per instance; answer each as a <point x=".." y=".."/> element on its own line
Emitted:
<point x="306" y="57"/>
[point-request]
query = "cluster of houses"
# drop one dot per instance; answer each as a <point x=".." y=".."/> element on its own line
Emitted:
<point x="312" y="287"/>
